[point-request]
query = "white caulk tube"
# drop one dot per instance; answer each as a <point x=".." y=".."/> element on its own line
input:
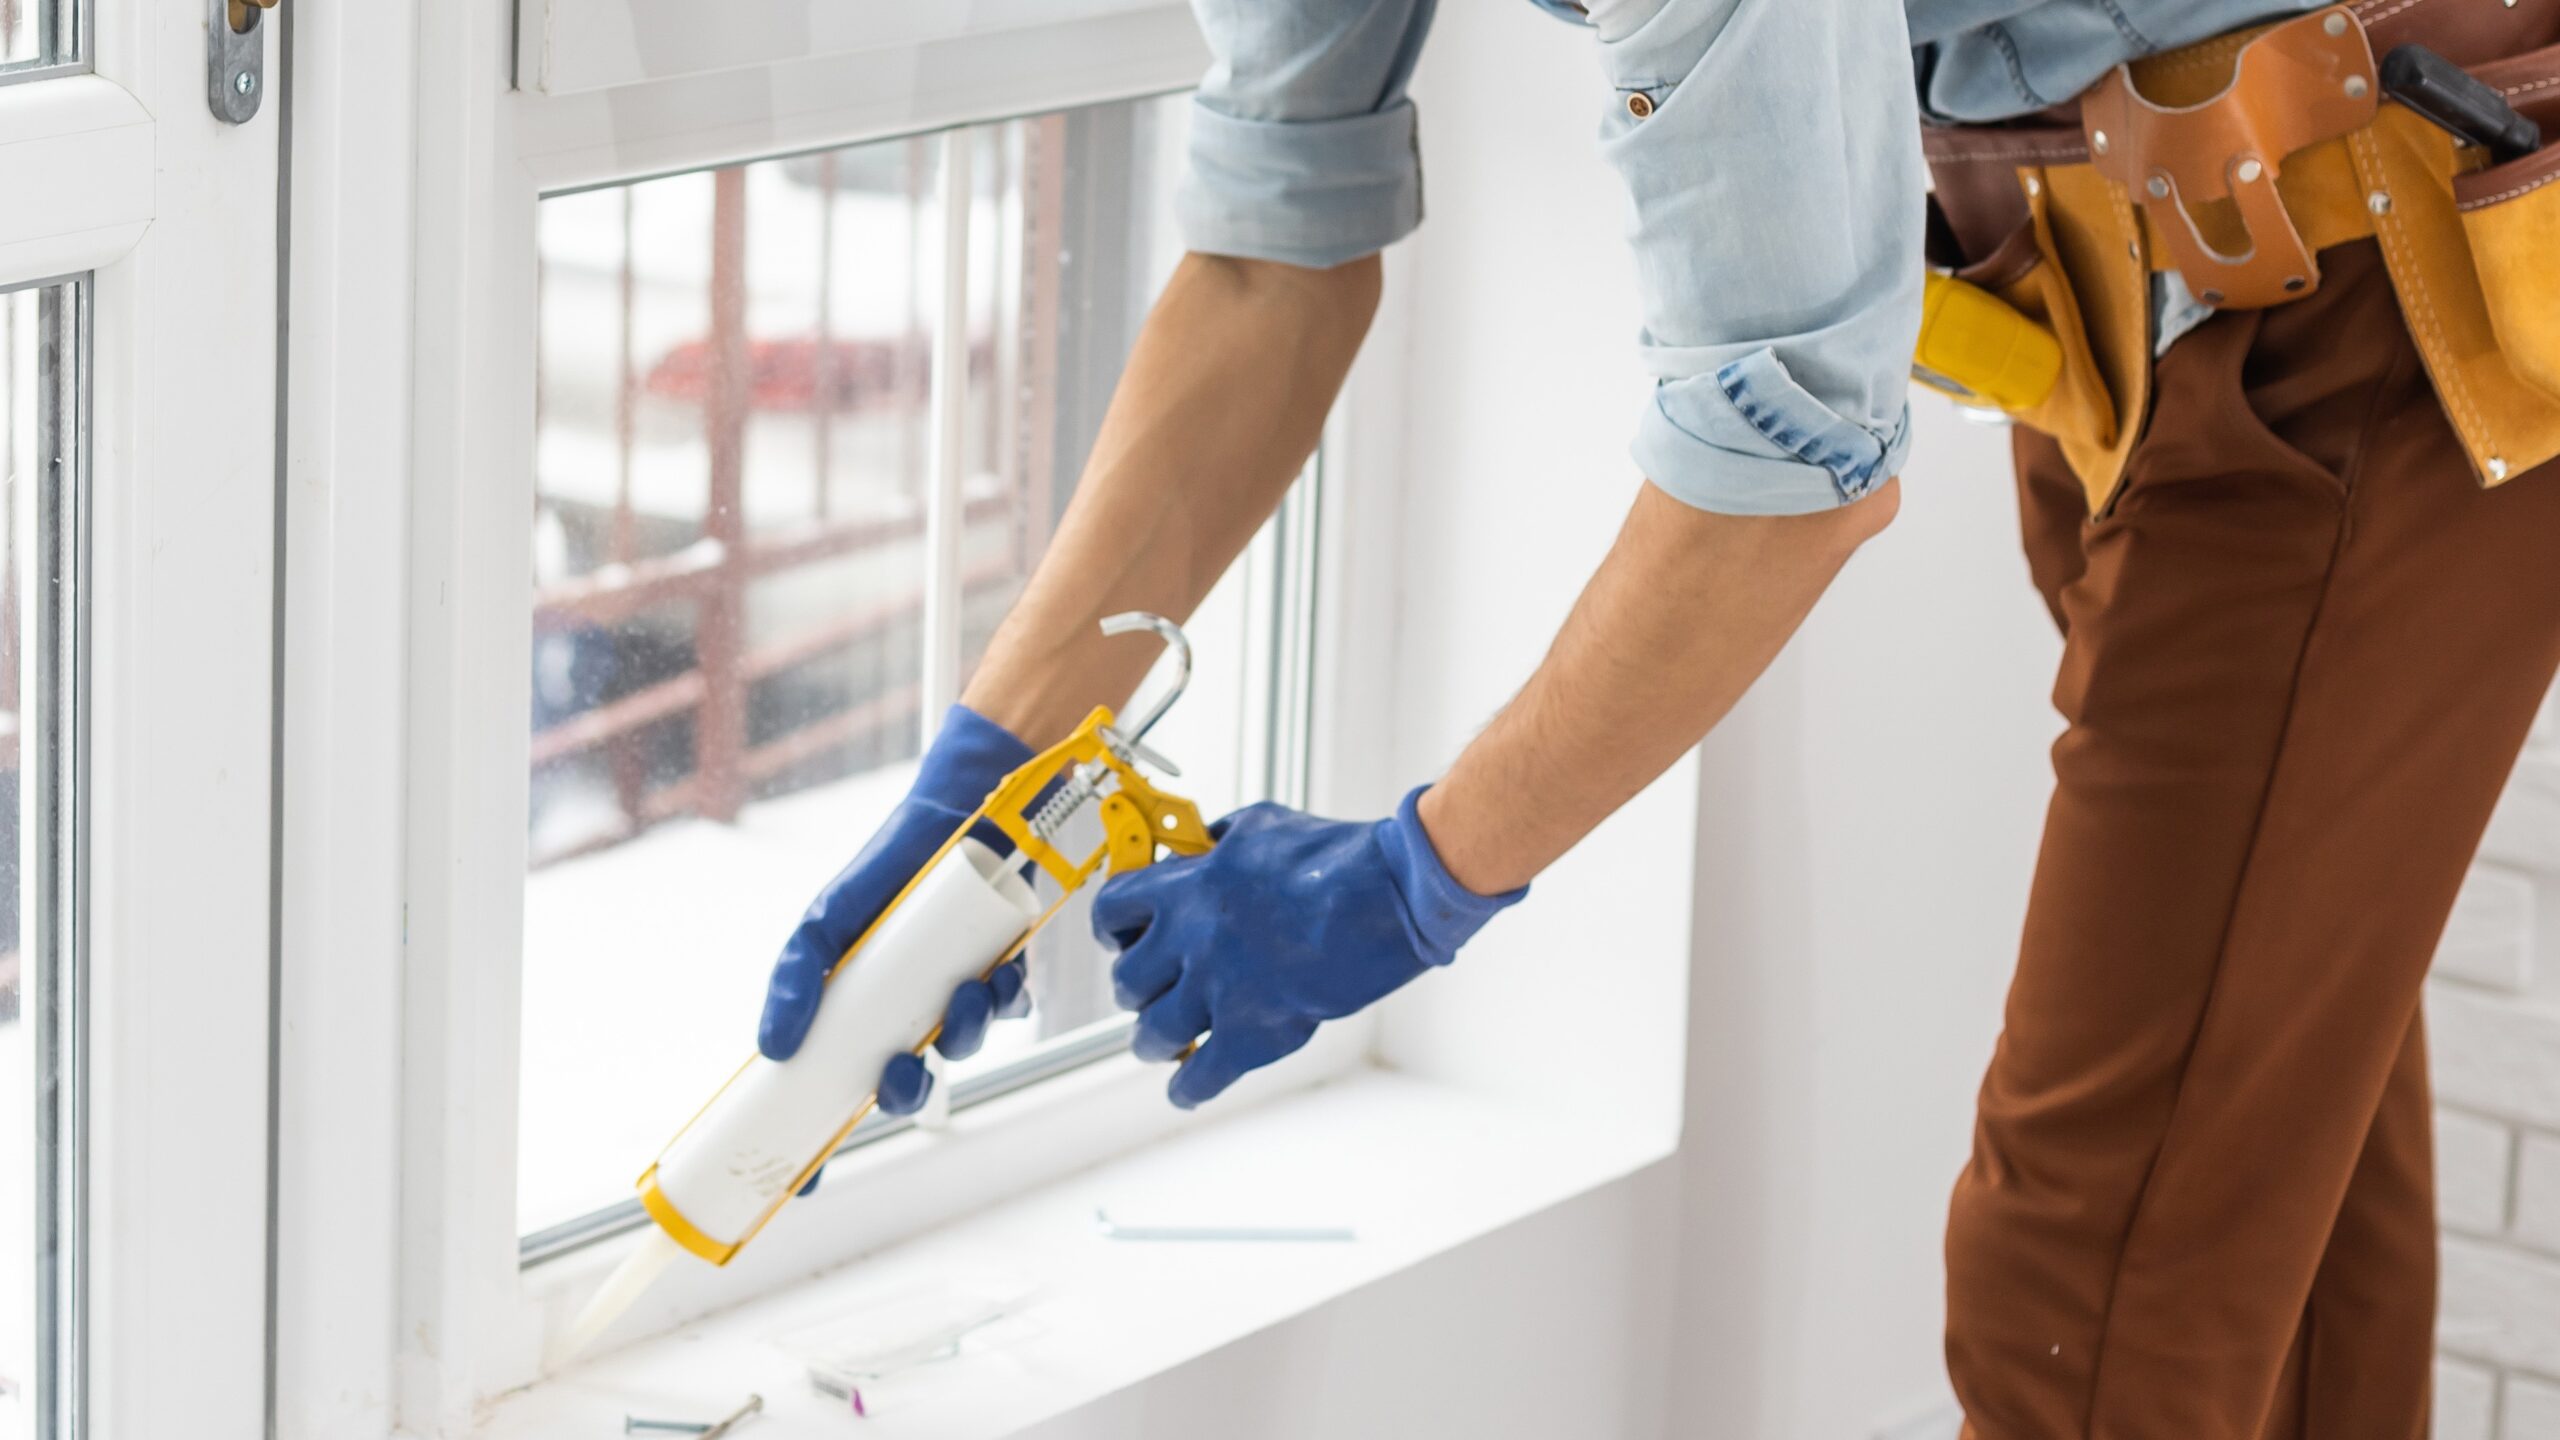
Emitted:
<point x="726" y="1173"/>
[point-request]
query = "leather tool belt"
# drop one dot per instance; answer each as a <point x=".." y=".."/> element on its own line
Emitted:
<point x="2235" y="163"/>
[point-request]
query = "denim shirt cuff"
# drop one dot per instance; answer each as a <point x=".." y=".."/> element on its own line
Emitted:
<point x="1440" y="913"/>
<point x="1749" y="440"/>
<point x="1311" y="193"/>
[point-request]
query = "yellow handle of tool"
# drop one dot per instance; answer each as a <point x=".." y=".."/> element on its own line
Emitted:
<point x="1979" y="349"/>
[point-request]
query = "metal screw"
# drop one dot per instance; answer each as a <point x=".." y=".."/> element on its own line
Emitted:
<point x="2337" y="24"/>
<point x="2379" y="202"/>
<point x="244" y="82"/>
<point x="2357" y="86"/>
<point x="2098" y="141"/>
<point x="2159" y="187"/>
<point x="2250" y="170"/>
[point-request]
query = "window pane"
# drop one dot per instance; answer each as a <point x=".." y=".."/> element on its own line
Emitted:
<point x="30" y="34"/>
<point x="39" y="1074"/>
<point x="735" y="453"/>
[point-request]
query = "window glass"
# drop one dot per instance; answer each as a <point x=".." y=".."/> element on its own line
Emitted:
<point x="39" y="1150"/>
<point x="734" y="457"/>
<point x="28" y="34"/>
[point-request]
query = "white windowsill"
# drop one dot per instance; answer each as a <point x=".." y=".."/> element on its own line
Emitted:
<point x="1415" y="1167"/>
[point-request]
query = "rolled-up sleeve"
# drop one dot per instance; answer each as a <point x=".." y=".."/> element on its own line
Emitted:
<point x="1770" y="149"/>
<point x="1302" y="141"/>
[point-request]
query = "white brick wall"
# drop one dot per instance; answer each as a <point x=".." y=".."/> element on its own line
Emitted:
<point x="2494" y="1012"/>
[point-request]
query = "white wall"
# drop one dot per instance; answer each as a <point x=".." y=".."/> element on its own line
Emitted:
<point x="1868" y="825"/>
<point x="2494" y="1015"/>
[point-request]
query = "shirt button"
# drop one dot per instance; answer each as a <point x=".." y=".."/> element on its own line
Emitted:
<point x="1639" y="104"/>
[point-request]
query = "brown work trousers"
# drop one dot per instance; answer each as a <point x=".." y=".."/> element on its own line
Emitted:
<point x="2301" y="652"/>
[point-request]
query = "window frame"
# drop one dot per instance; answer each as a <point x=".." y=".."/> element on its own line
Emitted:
<point x="438" y="1019"/>
<point x="53" y="765"/>
<point x="175" y="743"/>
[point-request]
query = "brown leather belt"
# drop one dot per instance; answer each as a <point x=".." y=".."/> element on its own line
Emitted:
<point x="2235" y="162"/>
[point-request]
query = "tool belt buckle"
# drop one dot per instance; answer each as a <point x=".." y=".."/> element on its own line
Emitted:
<point x="2296" y="85"/>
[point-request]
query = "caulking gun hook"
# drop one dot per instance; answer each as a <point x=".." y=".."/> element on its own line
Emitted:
<point x="1131" y="621"/>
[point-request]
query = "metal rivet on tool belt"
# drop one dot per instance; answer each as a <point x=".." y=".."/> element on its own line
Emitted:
<point x="2379" y="202"/>
<point x="2497" y="468"/>
<point x="2034" y="185"/>
<point x="2337" y="24"/>
<point x="2356" y="86"/>
<point x="2159" y="187"/>
<point x="1639" y="104"/>
<point x="2250" y="170"/>
<point x="2098" y="141"/>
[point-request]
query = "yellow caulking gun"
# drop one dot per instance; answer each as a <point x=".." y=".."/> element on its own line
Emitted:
<point x="968" y="911"/>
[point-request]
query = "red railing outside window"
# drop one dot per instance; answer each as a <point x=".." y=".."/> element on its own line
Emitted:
<point x="732" y="485"/>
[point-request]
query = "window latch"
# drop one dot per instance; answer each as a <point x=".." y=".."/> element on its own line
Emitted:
<point x="236" y="58"/>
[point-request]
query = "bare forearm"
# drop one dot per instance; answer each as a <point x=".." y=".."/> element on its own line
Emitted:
<point x="1681" y="618"/>
<point x="1223" y="400"/>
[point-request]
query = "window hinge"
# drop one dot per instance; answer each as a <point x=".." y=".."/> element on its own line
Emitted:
<point x="236" y="57"/>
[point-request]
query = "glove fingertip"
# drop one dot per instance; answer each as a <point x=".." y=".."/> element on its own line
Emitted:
<point x="965" y="1020"/>
<point x="905" y="1084"/>
<point x="1012" y="986"/>
<point x="784" y="1025"/>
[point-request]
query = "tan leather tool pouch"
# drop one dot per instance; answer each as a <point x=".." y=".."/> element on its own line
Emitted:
<point x="2472" y="253"/>
<point x="2024" y="273"/>
<point x="2511" y="216"/>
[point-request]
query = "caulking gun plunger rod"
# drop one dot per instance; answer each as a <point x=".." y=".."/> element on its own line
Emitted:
<point x="968" y="910"/>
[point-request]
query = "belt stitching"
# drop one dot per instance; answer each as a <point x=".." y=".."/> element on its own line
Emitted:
<point x="2368" y="14"/>
<point x="1985" y="157"/>
<point x="2431" y="334"/>
<point x="2485" y="200"/>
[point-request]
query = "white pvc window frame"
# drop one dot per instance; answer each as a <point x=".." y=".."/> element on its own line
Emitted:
<point x="53" y="844"/>
<point x="113" y="169"/>
<point x="403" y="941"/>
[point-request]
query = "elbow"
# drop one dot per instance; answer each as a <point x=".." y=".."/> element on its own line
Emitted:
<point x="1863" y="519"/>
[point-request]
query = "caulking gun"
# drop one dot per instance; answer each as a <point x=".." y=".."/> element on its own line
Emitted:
<point x="969" y="910"/>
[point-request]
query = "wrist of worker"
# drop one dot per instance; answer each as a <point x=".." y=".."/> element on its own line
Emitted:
<point x="1443" y="912"/>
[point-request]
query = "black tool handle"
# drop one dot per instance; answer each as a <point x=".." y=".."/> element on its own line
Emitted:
<point x="2447" y="94"/>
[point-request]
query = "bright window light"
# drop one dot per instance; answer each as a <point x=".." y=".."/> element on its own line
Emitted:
<point x="731" y="675"/>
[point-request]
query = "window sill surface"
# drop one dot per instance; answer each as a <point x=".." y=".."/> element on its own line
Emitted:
<point x="1414" y="1167"/>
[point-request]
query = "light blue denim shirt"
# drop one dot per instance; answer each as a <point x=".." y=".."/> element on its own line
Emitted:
<point x="1770" y="150"/>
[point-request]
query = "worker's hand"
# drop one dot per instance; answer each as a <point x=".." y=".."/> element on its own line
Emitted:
<point x="968" y="759"/>
<point x="1288" y="922"/>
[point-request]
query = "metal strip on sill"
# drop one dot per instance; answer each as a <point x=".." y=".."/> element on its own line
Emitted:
<point x="1072" y="1051"/>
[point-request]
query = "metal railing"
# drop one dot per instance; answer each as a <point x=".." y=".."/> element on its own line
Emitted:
<point x="731" y="377"/>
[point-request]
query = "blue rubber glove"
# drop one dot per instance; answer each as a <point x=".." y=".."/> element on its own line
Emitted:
<point x="968" y="759"/>
<point x="1288" y="922"/>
